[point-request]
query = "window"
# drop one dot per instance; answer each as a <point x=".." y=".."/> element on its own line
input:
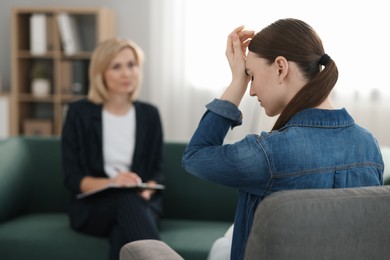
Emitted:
<point x="354" y="34"/>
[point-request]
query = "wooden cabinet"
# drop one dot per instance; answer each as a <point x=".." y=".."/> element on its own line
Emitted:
<point x="29" y="107"/>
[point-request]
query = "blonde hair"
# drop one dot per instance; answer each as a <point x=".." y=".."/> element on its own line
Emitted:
<point x="102" y="56"/>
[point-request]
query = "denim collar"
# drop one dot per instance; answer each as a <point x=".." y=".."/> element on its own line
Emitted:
<point x="314" y="117"/>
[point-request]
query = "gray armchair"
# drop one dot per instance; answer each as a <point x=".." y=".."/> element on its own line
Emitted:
<point x="322" y="224"/>
<point x="351" y="223"/>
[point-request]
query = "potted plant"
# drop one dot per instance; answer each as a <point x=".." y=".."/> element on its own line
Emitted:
<point x="40" y="80"/>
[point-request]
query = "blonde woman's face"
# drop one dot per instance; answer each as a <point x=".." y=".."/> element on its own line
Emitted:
<point x="122" y="75"/>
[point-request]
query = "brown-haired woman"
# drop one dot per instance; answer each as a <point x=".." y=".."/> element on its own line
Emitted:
<point x="312" y="144"/>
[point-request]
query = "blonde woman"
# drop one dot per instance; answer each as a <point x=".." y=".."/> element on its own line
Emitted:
<point x="110" y="138"/>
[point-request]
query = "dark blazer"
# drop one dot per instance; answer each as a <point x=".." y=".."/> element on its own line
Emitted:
<point x="82" y="149"/>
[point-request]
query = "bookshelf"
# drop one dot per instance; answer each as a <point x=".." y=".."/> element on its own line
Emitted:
<point x="39" y="109"/>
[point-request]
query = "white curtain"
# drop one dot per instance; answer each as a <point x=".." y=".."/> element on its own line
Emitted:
<point x="188" y="66"/>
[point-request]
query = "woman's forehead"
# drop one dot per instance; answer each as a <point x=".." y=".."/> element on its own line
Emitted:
<point x="253" y="60"/>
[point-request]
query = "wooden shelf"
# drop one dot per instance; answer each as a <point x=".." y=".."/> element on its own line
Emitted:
<point x="94" y="25"/>
<point x="78" y="56"/>
<point x="23" y="54"/>
<point x="32" y="98"/>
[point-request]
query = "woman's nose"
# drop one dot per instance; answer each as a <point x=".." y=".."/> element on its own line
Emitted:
<point x="128" y="71"/>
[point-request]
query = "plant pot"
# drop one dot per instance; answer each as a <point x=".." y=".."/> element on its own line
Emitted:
<point x="40" y="87"/>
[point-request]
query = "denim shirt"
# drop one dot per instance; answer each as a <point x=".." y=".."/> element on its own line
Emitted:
<point x="316" y="149"/>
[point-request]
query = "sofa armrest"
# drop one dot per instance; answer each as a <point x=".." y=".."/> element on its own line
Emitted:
<point x="148" y="249"/>
<point x="14" y="182"/>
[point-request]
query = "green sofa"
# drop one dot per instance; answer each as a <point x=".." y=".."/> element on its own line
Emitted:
<point x="34" y="223"/>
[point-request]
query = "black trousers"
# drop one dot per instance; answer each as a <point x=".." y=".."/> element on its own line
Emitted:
<point x="123" y="216"/>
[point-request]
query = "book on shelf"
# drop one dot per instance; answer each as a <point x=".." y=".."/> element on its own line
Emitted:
<point x="74" y="77"/>
<point x="115" y="186"/>
<point x="80" y="81"/>
<point x="69" y="34"/>
<point x="38" y="34"/>
<point x="50" y="24"/>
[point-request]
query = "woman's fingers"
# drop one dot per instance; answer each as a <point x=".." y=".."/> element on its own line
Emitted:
<point x="237" y="46"/>
<point x="237" y="43"/>
<point x="242" y="37"/>
<point x="245" y="35"/>
<point x="124" y="178"/>
<point x="229" y="47"/>
<point x="238" y="30"/>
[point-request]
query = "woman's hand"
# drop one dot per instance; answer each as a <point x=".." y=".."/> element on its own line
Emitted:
<point x="237" y="44"/>
<point x="126" y="178"/>
<point x="148" y="193"/>
<point x="131" y="178"/>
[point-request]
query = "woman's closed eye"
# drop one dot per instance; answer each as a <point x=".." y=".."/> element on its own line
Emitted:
<point x="249" y="75"/>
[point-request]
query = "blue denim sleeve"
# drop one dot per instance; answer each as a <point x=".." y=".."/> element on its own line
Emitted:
<point x="242" y="165"/>
<point x="226" y="109"/>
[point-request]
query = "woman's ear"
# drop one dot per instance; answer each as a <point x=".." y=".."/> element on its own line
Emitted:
<point x="282" y="67"/>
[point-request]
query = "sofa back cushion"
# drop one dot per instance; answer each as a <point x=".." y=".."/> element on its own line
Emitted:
<point x="188" y="197"/>
<point x="33" y="166"/>
<point x="47" y="192"/>
<point x="349" y="223"/>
